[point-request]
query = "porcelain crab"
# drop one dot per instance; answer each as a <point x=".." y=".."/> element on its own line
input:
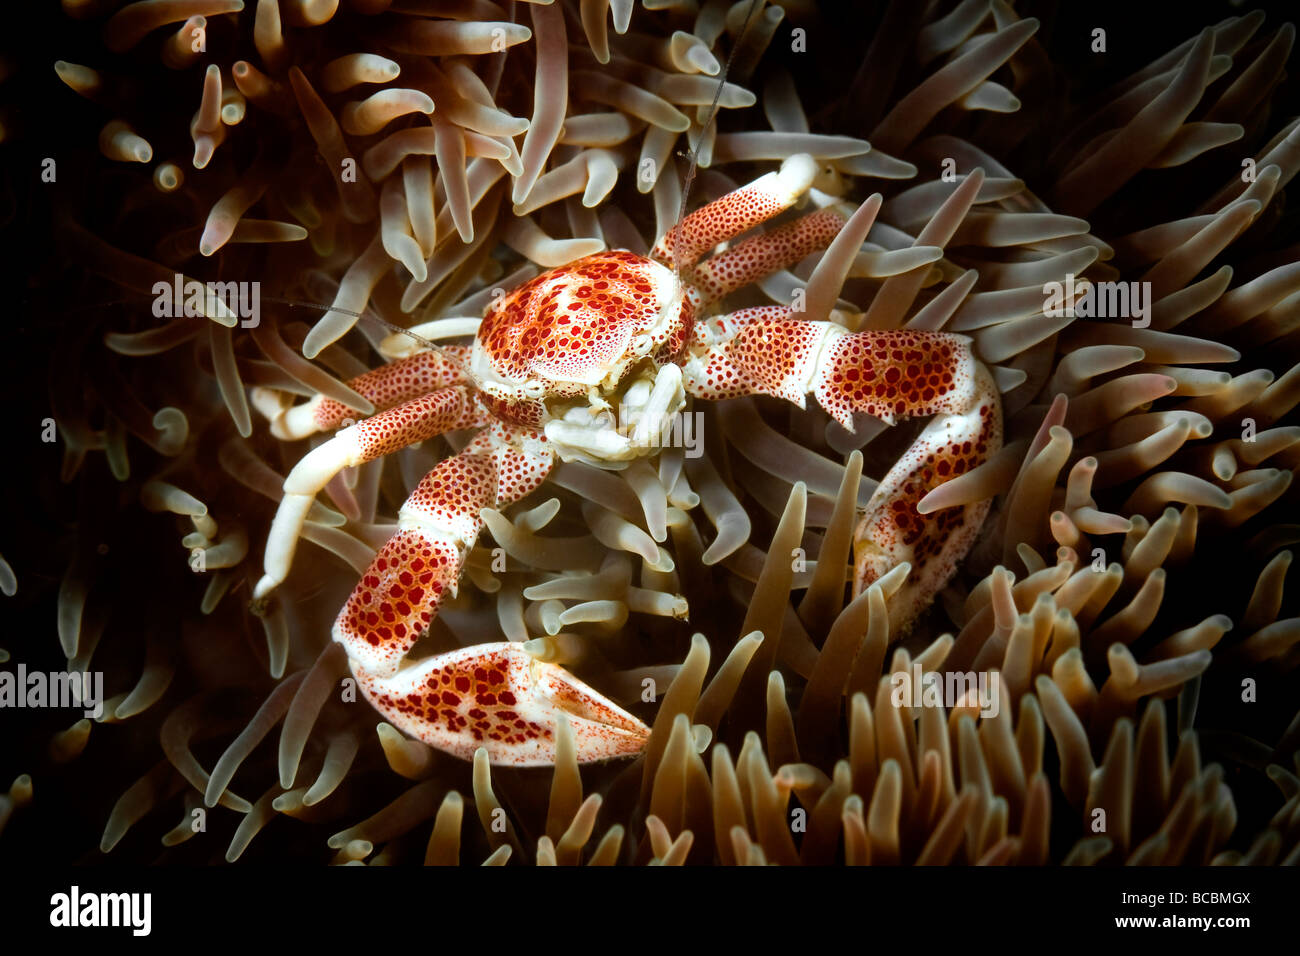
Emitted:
<point x="582" y="363"/>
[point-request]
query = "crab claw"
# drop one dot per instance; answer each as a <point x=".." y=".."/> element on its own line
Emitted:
<point x="500" y="697"/>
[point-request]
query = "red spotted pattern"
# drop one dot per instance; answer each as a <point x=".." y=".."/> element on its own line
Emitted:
<point x="919" y="473"/>
<point x="777" y="355"/>
<point x="496" y="696"/>
<point x="418" y="420"/>
<point x="893" y="531"/>
<point x="476" y="701"/>
<point x="712" y="372"/>
<point x="455" y="490"/>
<point x="729" y="215"/>
<point x="763" y="255"/>
<point x="398" y="595"/>
<point x="396" y="598"/>
<point x="895" y="374"/>
<point x="521" y="458"/>
<point x="570" y="322"/>
<point x="400" y="381"/>
<point x="889" y="374"/>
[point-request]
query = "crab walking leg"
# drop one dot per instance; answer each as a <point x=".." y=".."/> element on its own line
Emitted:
<point x="760" y="256"/>
<point x="736" y="212"/>
<point x="889" y="374"/>
<point x="500" y="697"/>
<point x="386" y="387"/>
<point x="406" y="424"/>
<point x="893" y="531"/>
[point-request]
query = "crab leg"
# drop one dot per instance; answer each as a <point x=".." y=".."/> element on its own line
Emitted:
<point x="762" y="255"/>
<point x="893" y="531"/>
<point x="386" y="387"/>
<point x="736" y="212"/>
<point x="406" y="424"/>
<point x="888" y="374"/>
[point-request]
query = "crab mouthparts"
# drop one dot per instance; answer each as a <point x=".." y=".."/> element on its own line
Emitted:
<point x="606" y="436"/>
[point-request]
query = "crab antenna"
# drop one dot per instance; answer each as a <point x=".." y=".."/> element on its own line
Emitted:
<point x="691" y="151"/>
<point x="420" y="340"/>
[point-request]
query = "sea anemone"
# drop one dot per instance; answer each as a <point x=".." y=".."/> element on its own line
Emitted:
<point x="389" y="165"/>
